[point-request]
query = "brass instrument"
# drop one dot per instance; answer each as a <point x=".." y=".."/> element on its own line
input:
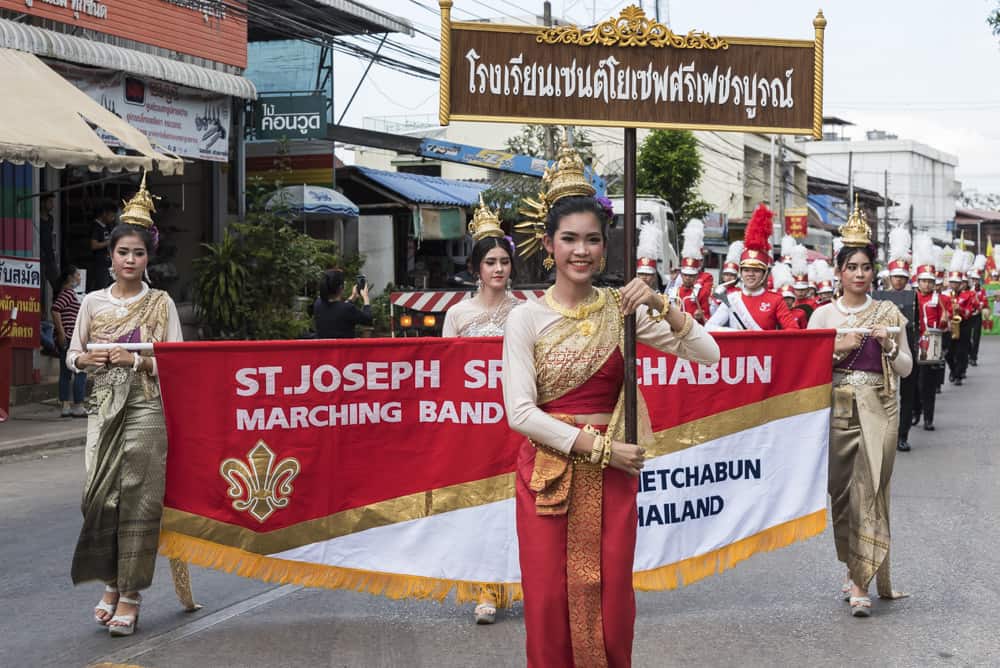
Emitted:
<point x="956" y="326"/>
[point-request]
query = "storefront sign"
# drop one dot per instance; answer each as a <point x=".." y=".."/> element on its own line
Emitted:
<point x="185" y="121"/>
<point x="630" y="71"/>
<point x="20" y="294"/>
<point x="797" y="222"/>
<point x="292" y="117"/>
<point x="203" y="28"/>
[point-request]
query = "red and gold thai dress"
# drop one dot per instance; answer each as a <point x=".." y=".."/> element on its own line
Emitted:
<point x="576" y="523"/>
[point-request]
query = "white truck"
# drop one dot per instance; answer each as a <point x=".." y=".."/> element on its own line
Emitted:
<point x="648" y="208"/>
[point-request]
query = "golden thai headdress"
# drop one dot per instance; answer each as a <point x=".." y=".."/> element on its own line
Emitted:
<point x="485" y="222"/>
<point x="564" y="179"/>
<point x="856" y="232"/>
<point x="138" y="209"/>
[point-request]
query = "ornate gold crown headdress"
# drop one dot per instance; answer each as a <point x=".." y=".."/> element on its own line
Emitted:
<point x="564" y="179"/>
<point x="138" y="208"/>
<point x="485" y="223"/>
<point x="856" y="232"/>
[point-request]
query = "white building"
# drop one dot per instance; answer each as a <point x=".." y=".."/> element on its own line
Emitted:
<point x="918" y="175"/>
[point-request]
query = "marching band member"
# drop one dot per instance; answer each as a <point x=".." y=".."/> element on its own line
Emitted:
<point x="648" y="256"/>
<point x="801" y="286"/>
<point x="863" y="419"/>
<point x="932" y="322"/>
<point x="899" y="281"/>
<point x="126" y="437"/>
<point x="824" y="282"/>
<point x="694" y="291"/>
<point x="783" y="281"/>
<point x="576" y="480"/>
<point x="964" y="302"/>
<point x="940" y="265"/>
<point x="752" y="307"/>
<point x="485" y="314"/>
<point x="729" y="276"/>
<point x="981" y="304"/>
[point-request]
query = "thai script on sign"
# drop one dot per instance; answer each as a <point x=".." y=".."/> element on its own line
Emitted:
<point x="686" y="83"/>
<point x="207" y="8"/>
<point x="20" y="274"/>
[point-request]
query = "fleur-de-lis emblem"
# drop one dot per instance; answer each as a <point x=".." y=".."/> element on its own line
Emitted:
<point x="262" y="487"/>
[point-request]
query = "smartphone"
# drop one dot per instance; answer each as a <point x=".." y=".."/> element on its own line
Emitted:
<point x="361" y="282"/>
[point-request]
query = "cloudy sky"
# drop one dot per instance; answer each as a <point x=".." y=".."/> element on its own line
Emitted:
<point x="925" y="70"/>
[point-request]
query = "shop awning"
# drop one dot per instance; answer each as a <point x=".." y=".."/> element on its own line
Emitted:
<point x="421" y="189"/>
<point x="52" y="44"/>
<point x="45" y="120"/>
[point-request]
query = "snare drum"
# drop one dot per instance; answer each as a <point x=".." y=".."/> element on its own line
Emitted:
<point x="931" y="348"/>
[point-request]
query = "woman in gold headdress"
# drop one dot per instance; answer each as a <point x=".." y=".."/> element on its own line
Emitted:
<point x="126" y="438"/>
<point x="485" y="314"/>
<point x="576" y="478"/>
<point x="868" y="363"/>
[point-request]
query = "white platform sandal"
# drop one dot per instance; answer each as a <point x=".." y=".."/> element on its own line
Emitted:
<point x="106" y="608"/>
<point x="861" y="606"/>
<point x="125" y="625"/>
<point x="486" y="613"/>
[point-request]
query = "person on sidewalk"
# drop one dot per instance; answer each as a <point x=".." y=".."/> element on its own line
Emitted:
<point x="72" y="385"/>
<point x="485" y="314"/>
<point x="126" y="437"/>
<point x="99" y="276"/>
<point x="863" y="421"/>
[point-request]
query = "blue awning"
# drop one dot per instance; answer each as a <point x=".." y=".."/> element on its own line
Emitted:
<point x="421" y="189"/>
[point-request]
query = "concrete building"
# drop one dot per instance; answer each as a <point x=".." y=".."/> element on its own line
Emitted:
<point x="918" y="175"/>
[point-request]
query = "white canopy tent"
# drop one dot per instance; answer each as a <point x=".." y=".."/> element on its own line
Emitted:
<point x="45" y="120"/>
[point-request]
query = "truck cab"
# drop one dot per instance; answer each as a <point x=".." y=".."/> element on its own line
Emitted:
<point x="648" y="209"/>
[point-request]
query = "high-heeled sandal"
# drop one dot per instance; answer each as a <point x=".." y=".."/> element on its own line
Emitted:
<point x="845" y="590"/>
<point x="127" y="624"/>
<point x="861" y="606"/>
<point x="107" y="608"/>
<point x="486" y="613"/>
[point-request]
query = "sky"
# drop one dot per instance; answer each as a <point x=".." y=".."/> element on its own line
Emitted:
<point x="924" y="70"/>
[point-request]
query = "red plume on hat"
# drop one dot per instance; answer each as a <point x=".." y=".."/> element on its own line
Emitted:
<point x="756" y="240"/>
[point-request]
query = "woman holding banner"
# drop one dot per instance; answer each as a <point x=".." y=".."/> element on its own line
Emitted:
<point x="576" y="481"/>
<point x="126" y="439"/>
<point x="485" y="315"/>
<point x="868" y="362"/>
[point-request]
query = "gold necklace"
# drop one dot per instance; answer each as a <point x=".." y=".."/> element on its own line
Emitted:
<point x="581" y="311"/>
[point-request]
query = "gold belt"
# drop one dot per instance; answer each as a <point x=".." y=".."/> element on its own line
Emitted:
<point x="857" y="378"/>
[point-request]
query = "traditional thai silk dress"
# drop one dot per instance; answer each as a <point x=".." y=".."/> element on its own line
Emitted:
<point x="469" y="319"/>
<point x="863" y="435"/>
<point x="126" y="442"/>
<point x="576" y="523"/>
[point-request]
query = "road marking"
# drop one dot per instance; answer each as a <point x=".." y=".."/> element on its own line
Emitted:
<point x="199" y="625"/>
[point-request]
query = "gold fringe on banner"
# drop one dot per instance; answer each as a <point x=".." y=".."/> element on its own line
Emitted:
<point x="711" y="563"/>
<point x="282" y="571"/>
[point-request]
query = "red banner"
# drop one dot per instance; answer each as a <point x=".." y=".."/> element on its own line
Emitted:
<point x="370" y="420"/>
<point x="797" y="224"/>
<point x="20" y="293"/>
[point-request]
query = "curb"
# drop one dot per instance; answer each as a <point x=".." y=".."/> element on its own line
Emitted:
<point x="29" y="446"/>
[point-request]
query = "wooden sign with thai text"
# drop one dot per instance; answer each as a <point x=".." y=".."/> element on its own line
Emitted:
<point x="630" y="72"/>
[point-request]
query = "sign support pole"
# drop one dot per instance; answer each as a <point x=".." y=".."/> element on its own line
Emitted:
<point x="631" y="388"/>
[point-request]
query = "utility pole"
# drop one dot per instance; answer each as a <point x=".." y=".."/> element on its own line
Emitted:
<point x="850" y="182"/>
<point x="656" y="9"/>
<point x="909" y="221"/>
<point x="770" y="198"/>
<point x="885" y="215"/>
<point x="784" y="184"/>
<point x="550" y="143"/>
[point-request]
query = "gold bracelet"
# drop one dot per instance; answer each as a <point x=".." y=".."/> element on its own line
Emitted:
<point x="606" y="453"/>
<point x="595" y="448"/>
<point x="662" y="311"/>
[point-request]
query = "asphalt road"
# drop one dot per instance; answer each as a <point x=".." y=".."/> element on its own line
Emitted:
<point x="775" y="609"/>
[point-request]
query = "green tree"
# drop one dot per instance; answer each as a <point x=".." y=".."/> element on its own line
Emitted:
<point x="507" y="195"/>
<point x="669" y="166"/>
<point x="258" y="281"/>
<point x="531" y="142"/>
<point x="993" y="20"/>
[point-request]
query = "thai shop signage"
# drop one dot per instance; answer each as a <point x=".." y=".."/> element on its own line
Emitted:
<point x="20" y="300"/>
<point x="630" y="71"/>
<point x="184" y="121"/>
<point x="290" y="117"/>
<point x="797" y="222"/>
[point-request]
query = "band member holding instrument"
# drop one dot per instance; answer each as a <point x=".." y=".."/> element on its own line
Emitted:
<point x="932" y="322"/>
<point x="964" y="302"/>
<point x="863" y="421"/>
<point x="753" y="307"/>
<point x="899" y="281"/>
<point x="981" y="305"/>
<point x="802" y="288"/>
<point x="693" y="293"/>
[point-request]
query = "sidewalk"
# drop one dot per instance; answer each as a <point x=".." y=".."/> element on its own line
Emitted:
<point x="37" y="426"/>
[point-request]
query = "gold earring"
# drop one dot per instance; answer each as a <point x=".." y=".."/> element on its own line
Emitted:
<point x="548" y="262"/>
<point x="601" y="267"/>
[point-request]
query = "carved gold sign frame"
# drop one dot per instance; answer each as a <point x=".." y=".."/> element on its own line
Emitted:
<point x="630" y="29"/>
